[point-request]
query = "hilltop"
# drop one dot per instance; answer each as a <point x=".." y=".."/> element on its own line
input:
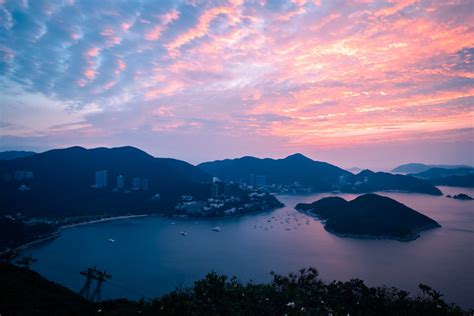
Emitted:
<point x="298" y="171"/>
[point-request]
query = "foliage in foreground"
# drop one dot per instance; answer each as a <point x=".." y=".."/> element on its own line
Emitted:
<point x="301" y="294"/>
<point x="25" y="292"/>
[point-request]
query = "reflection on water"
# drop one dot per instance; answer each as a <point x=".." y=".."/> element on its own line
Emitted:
<point x="150" y="257"/>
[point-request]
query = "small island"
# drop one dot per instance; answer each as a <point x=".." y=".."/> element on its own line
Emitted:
<point x="369" y="216"/>
<point x="460" y="196"/>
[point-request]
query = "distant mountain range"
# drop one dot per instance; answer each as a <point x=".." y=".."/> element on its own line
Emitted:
<point x="420" y="167"/>
<point x="76" y="181"/>
<point x="369" y="215"/>
<point x="59" y="182"/>
<point x="458" y="177"/>
<point x="319" y="176"/>
<point x="13" y="154"/>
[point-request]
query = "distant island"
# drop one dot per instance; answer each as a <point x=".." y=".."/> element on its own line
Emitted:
<point x="460" y="196"/>
<point x="369" y="215"/>
<point x="420" y="167"/>
<point x="299" y="174"/>
<point x="457" y="177"/>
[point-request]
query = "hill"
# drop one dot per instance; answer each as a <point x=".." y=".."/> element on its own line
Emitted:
<point x="458" y="177"/>
<point x="315" y="175"/>
<point x="420" y="167"/>
<point x="320" y="176"/>
<point x="369" y="181"/>
<point x="13" y="154"/>
<point x="25" y="292"/>
<point x="369" y="215"/>
<point x="443" y="172"/>
<point x="65" y="182"/>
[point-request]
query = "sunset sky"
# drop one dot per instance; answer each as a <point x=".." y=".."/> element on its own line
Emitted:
<point x="356" y="83"/>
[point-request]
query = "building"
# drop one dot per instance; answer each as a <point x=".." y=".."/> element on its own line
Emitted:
<point x="215" y="179"/>
<point x="101" y="179"/>
<point x="214" y="190"/>
<point x="144" y="184"/>
<point x="260" y="180"/>
<point x="120" y="182"/>
<point x="136" y="183"/>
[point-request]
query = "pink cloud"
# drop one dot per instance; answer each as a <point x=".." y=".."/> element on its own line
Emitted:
<point x="202" y="26"/>
<point x="155" y="33"/>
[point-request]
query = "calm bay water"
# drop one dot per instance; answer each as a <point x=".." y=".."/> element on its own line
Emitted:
<point x="150" y="257"/>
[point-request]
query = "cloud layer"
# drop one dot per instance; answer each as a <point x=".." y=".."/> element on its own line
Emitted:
<point x="266" y="76"/>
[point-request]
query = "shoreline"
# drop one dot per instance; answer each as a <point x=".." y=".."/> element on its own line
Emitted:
<point x="105" y="219"/>
<point x="57" y="233"/>
<point x="412" y="237"/>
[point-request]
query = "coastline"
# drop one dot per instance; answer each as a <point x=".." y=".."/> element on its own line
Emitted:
<point x="105" y="219"/>
<point x="57" y="233"/>
<point x="36" y="241"/>
<point x="411" y="237"/>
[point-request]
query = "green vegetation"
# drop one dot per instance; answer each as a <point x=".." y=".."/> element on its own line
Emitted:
<point x="23" y="292"/>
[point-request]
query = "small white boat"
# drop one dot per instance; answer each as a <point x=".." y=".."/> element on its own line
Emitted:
<point x="217" y="229"/>
<point x="111" y="240"/>
<point x="183" y="233"/>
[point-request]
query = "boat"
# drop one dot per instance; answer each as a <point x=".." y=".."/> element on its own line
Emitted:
<point x="184" y="233"/>
<point x="217" y="229"/>
<point x="111" y="240"/>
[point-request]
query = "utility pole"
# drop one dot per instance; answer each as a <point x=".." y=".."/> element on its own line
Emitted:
<point x="89" y="274"/>
<point x="102" y="276"/>
<point x="99" y="276"/>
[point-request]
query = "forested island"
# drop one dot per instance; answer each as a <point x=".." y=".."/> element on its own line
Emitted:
<point x="369" y="215"/>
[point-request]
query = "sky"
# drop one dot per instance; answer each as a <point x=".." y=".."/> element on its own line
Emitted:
<point x="359" y="83"/>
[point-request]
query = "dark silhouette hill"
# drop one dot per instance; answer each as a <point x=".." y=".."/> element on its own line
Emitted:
<point x="369" y="181"/>
<point x="458" y="177"/>
<point x="61" y="180"/>
<point x="420" y="167"/>
<point x="369" y="215"/>
<point x="25" y="292"/>
<point x="319" y="176"/>
<point x="13" y="154"/>
<point x="443" y="172"/>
